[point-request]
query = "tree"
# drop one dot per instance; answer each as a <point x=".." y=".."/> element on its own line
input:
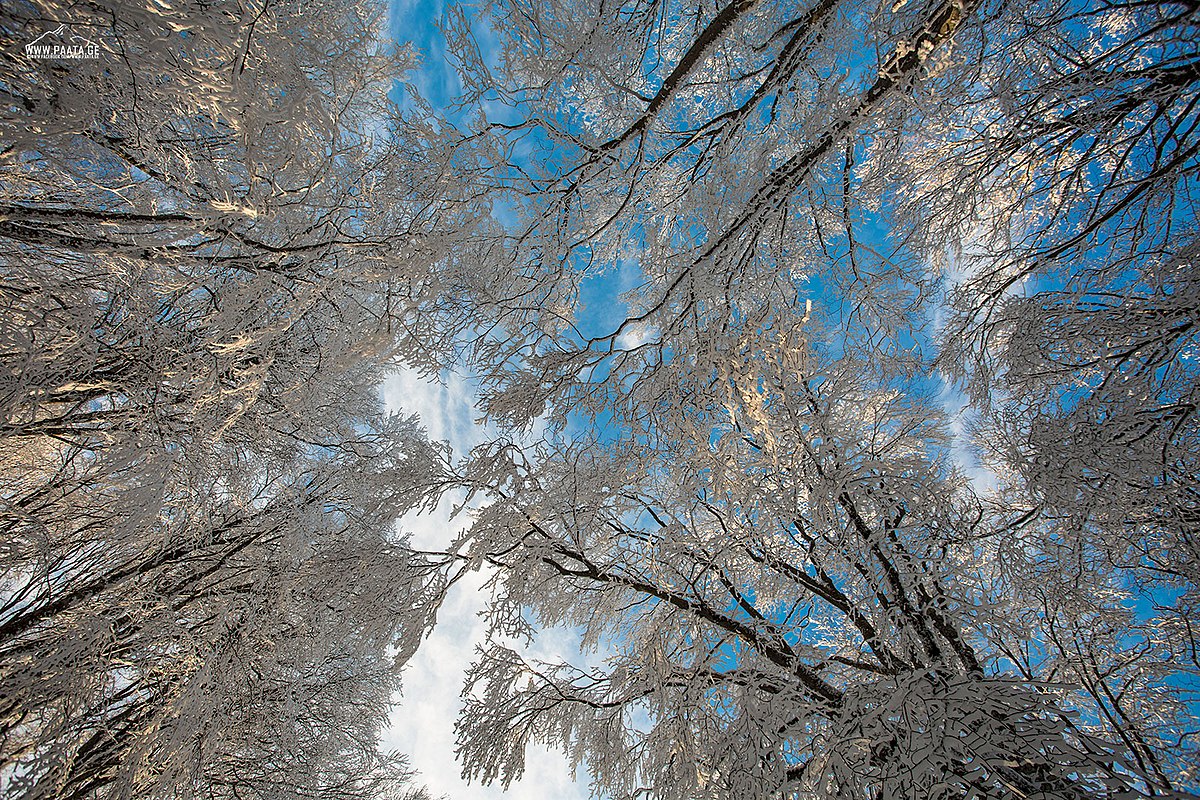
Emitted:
<point x="800" y="598"/>
<point x="254" y="650"/>
<point x="212" y="243"/>
<point x="747" y="490"/>
<point x="1069" y="322"/>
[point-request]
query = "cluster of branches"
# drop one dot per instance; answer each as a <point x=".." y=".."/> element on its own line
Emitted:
<point x="750" y="495"/>
<point x="210" y="239"/>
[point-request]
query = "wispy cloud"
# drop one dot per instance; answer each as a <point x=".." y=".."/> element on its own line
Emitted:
<point x="416" y="22"/>
<point x="422" y="725"/>
<point x="957" y="407"/>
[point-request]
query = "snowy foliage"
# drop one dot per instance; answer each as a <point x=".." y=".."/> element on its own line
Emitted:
<point x="755" y="510"/>
<point x="204" y="239"/>
<point x="738" y="483"/>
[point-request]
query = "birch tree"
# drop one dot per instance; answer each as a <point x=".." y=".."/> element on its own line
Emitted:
<point x="240" y="646"/>
<point x="804" y="598"/>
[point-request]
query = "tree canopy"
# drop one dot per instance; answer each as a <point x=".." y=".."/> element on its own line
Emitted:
<point x="842" y="358"/>
<point x="205" y="239"/>
<point x="753" y="491"/>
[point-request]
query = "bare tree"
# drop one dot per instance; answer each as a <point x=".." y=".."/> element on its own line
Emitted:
<point x="801" y="595"/>
<point x="212" y="242"/>
<point x="747" y="490"/>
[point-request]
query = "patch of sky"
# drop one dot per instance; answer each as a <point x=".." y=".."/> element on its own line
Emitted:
<point x="422" y="725"/>
<point x="602" y="303"/>
<point x="416" y="22"/>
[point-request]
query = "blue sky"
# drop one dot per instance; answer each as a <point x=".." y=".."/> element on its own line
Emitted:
<point x="416" y="22"/>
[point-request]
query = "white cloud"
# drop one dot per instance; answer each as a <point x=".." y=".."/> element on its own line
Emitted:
<point x="637" y="335"/>
<point x="955" y="402"/>
<point x="422" y="725"/>
<point x="444" y="406"/>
